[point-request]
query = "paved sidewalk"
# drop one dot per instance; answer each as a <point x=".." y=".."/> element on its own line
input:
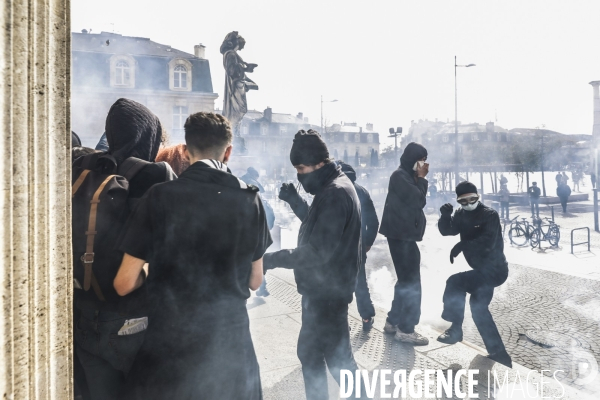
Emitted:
<point x="275" y="324"/>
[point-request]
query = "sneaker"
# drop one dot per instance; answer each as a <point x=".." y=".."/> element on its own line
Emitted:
<point x="451" y="336"/>
<point x="412" y="338"/>
<point x="501" y="357"/>
<point x="262" y="290"/>
<point x="368" y="323"/>
<point x="389" y="328"/>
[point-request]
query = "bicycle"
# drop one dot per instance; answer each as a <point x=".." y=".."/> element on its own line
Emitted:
<point x="552" y="234"/>
<point x="520" y="231"/>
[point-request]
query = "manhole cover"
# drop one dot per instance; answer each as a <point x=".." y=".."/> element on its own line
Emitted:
<point x="551" y="339"/>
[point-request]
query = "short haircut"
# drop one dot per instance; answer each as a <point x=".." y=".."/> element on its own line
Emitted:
<point x="207" y="133"/>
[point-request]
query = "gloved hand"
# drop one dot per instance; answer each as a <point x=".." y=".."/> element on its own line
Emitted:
<point x="446" y="210"/>
<point x="456" y="250"/>
<point x="288" y="192"/>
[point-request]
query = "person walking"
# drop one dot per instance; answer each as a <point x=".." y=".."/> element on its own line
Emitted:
<point x="325" y="263"/>
<point x="369" y="227"/>
<point x="563" y="192"/>
<point x="403" y="224"/>
<point x="504" y="201"/>
<point x="534" y="198"/>
<point x="483" y="248"/>
<point x="558" y="178"/>
<point x="576" y="179"/>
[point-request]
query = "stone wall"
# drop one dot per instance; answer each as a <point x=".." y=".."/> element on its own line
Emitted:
<point x="35" y="248"/>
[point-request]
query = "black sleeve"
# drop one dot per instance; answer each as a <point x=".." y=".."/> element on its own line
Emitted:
<point x="300" y="208"/>
<point x="407" y="192"/>
<point x="324" y="238"/>
<point x="448" y="225"/>
<point x="487" y="240"/>
<point x="369" y="216"/>
<point x="137" y="236"/>
<point x="262" y="231"/>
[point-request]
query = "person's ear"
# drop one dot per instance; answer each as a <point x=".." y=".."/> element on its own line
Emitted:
<point x="186" y="153"/>
<point x="227" y="154"/>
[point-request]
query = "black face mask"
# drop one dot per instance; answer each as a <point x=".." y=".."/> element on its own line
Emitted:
<point x="313" y="181"/>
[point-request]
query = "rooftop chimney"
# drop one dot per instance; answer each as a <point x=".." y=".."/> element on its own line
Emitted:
<point x="369" y="126"/>
<point x="199" y="50"/>
<point x="268" y="114"/>
<point x="300" y="115"/>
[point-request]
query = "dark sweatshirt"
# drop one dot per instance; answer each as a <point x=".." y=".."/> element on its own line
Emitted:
<point x="327" y="258"/>
<point x="480" y="238"/>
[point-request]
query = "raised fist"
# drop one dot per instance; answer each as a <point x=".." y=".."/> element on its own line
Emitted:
<point x="446" y="209"/>
<point x="288" y="192"/>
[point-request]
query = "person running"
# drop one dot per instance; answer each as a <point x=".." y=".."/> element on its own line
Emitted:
<point x="483" y="247"/>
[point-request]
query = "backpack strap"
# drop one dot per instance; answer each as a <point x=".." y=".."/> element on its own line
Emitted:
<point x="88" y="257"/>
<point x="79" y="181"/>
<point x="130" y="167"/>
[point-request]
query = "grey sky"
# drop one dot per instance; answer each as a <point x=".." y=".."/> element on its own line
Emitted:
<point x="390" y="62"/>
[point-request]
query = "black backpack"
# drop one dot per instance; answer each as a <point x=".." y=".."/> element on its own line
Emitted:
<point x="100" y="207"/>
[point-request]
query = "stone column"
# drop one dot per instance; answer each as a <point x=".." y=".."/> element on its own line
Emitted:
<point x="35" y="223"/>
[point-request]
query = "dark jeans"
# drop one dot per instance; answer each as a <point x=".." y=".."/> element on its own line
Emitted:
<point x="363" y="297"/>
<point x="563" y="203"/>
<point x="482" y="291"/>
<point x="324" y="338"/>
<point x="504" y="205"/>
<point x="535" y="203"/>
<point x="105" y="356"/>
<point x="406" y="306"/>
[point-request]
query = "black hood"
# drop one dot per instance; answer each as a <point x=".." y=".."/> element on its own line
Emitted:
<point x="412" y="153"/>
<point x="132" y="130"/>
<point x="348" y="170"/>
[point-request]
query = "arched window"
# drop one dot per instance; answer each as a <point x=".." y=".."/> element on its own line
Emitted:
<point x="122" y="73"/>
<point x="357" y="138"/>
<point x="180" y="77"/>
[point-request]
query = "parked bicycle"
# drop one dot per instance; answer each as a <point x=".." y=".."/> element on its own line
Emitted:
<point x="520" y="231"/>
<point x="552" y="234"/>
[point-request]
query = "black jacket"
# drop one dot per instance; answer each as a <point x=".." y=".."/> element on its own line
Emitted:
<point x="480" y="239"/>
<point x="534" y="192"/>
<point x="328" y="255"/>
<point x="403" y="217"/>
<point x="563" y="191"/>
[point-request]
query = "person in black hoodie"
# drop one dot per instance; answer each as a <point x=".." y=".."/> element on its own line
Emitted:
<point x="325" y="263"/>
<point x="370" y="225"/>
<point x="204" y="236"/>
<point x="482" y="244"/>
<point x="108" y="334"/>
<point x="403" y="223"/>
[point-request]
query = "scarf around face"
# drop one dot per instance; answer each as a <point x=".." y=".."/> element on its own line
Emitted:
<point x="314" y="181"/>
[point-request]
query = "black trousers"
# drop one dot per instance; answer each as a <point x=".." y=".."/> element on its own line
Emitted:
<point x="563" y="203"/>
<point x="363" y="296"/>
<point x="482" y="291"/>
<point x="324" y="338"/>
<point x="406" y="306"/>
<point x="504" y="205"/>
<point x="535" y="204"/>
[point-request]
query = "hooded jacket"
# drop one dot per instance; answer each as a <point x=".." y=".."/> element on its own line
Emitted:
<point x="368" y="215"/>
<point x="328" y="255"/>
<point x="403" y="217"/>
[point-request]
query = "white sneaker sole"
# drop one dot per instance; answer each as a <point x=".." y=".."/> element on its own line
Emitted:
<point x="406" y="338"/>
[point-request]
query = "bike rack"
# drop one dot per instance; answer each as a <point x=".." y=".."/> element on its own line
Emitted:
<point x="578" y="244"/>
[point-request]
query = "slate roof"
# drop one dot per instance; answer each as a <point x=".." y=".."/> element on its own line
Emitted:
<point x="119" y="44"/>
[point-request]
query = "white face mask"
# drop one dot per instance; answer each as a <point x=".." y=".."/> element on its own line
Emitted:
<point x="418" y="164"/>
<point x="470" y="207"/>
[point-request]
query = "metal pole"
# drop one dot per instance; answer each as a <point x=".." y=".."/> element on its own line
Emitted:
<point x="396" y="146"/>
<point x="542" y="167"/>
<point x="456" y="172"/>
<point x="596" y="210"/>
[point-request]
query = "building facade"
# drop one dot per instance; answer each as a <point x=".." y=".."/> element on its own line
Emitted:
<point x="349" y="142"/>
<point x="108" y="66"/>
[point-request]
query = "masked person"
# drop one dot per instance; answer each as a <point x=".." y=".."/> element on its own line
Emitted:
<point x="483" y="247"/>
<point x="203" y="236"/>
<point x="325" y="263"/>
<point x="369" y="227"/>
<point x="403" y="224"/>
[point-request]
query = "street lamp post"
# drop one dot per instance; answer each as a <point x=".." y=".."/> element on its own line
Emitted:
<point x="456" y="171"/>
<point x="326" y="101"/>
<point x="395" y="135"/>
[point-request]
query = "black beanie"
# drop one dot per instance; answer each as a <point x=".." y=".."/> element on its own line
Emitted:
<point x="411" y="154"/>
<point x="308" y="148"/>
<point x="464" y="188"/>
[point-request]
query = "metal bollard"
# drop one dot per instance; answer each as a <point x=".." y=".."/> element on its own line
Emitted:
<point x="596" y="210"/>
<point x="552" y="207"/>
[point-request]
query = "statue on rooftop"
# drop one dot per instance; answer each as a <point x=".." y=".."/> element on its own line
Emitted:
<point x="236" y="81"/>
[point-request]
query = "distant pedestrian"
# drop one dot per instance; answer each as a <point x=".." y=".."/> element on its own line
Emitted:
<point x="534" y="199"/>
<point x="563" y="191"/>
<point x="593" y="179"/>
<point x="504" y="201"/>
<point x="576" y="180"/>
<point x="565" y="178"/>
<point x="503" y="180"/>
<point x="558" y="178"/>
